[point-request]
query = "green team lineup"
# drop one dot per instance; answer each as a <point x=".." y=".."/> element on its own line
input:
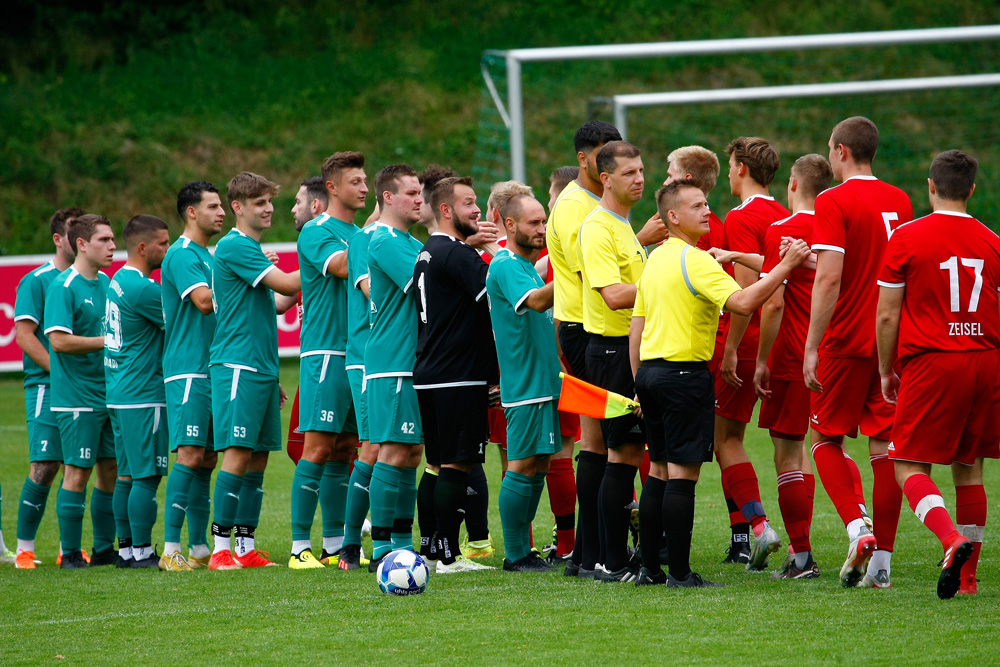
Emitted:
<point x="833" y="316"/>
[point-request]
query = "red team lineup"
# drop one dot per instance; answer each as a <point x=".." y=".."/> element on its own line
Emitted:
<point x="841" y="314"/>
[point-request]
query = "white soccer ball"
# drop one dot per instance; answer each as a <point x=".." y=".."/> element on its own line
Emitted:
<point x="402" y="572"/>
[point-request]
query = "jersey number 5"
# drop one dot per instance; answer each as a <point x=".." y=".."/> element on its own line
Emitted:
<point x="951" y="266"/>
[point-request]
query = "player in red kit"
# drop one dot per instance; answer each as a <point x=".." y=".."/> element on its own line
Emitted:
<point x="784" y="321"/>
<point x="854" y="221"/>
<point x="938" y="322"/>
<point x="753" y="162"/>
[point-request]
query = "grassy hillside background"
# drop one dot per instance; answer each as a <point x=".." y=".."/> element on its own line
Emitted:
<point x="115" y="107"/>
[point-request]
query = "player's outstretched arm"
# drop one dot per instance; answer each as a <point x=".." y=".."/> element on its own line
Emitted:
<point x="826" y="290"/>
<point x="750" y="260"/>
<point x="283" y="283"/>
<point x="541" y="299"/>
<point x="750" y="299"/>
<point x="890" y="305"/>
<point x="618" y="296"/>
<point x="24" y="334"/>
<point x="67" y="343"/>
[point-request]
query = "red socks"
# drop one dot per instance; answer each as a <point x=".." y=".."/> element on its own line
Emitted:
<point x="859" y="489"/>
<point x="887" y="499"/>
<point x="834" y="471"/>
<point x="644" y="468"/>
<point x="562" y="499"/>
<point x="926" y="502"/>
<point x="970" y="514"/>
<point x="795" y="509"/>
<point x="742" y="482"/>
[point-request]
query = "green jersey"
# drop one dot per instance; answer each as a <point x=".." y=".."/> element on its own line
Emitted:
<point x="188" y="332"/>
<point x="392" y="346"/>
<point x="529" y="364"/>
<point x="75" y="305"/>
<point x="133" y="341"/>
<point x="358" y="305"/>
<point x="324" y="295"/>
<point x="30" y="306"/>
<point x="246" y="326"/>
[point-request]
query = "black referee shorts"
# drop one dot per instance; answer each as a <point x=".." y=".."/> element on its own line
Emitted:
<point x="608" y="366"/>
<point x="573" y="340"/>
<point x="456" y="426"/>
<point x="678" y="402"/>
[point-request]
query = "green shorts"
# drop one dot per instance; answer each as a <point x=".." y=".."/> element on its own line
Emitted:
<point x="325" y="395"/>
<point x="245" y="409"/>
<point x="86" y="437"/>
<point x="140" y="441"/>
<point x="393" y="412"/>
<point x="533" y="430"/>
<point x="189" y="411"/>
<point x="44" y="443"/>
<point x="356" y="376"/>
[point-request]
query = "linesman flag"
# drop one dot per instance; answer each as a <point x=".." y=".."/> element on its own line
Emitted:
<point x="589" y="400"/>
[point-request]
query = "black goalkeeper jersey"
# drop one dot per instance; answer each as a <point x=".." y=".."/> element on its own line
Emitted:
<point x="455" y="344"/>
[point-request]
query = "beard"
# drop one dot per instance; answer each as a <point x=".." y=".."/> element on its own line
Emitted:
<point x="466" y="227"/>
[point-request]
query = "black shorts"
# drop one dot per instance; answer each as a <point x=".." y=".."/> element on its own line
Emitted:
<point x="678" y="402"/>
<point x="608" y="366"/>
<point x="573" y="341"/>
<point x="456" y="427"/>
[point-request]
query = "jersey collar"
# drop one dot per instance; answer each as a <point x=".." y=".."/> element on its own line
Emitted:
<point x="956" y="214"/>
<point x="615" y="215"/>
<point x="861" y="177"/>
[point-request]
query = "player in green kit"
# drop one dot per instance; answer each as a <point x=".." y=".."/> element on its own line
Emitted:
<point x="520" y="309"/>
<point x="393" y="415"/>
<point x="243" y="365"/>
<point x="74" y="313"/>
<point x="133" y="374"/>
<point x="189" y="325"/>
<point x="326" y="415"/>
<point x="44" y="444"/>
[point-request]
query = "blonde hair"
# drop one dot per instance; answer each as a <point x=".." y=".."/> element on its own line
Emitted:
<point x="502" y="192"/>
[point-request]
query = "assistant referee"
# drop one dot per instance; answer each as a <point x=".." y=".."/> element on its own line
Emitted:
<point x="671" y="340"/>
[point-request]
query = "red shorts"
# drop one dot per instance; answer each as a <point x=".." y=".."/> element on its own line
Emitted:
<point x="736" y="404"/>
<point x="947" y="408"/>
<point x="786" y="413"/>
<point x="851" y="398"/>
<point x="569" y="425"/>
<point x="716" y="360"/>
<point x="498" y="426"/>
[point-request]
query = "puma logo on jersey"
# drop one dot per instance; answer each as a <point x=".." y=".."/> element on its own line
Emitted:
<point x="90" y="301"/>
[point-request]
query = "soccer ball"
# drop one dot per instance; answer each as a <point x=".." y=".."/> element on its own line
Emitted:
<point x="402" y="572"/>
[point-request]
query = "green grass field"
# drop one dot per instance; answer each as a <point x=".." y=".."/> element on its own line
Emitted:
<point x="276" y="616"/>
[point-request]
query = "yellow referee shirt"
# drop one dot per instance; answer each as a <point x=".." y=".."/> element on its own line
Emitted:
<point x="680" y="294"/>
<point x="610" y="254"/>
<point x="570" y="209"/>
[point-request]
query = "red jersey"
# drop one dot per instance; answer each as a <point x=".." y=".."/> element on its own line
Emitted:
<point x="785" y="360"/>
<point x="716" y="238"/>
<point x="746" y="226"/>
<point x="949" y="264"/>
<point x="856" y="218"/>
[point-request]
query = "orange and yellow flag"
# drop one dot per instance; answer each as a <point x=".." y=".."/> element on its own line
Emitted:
<point x="590" y="400"/>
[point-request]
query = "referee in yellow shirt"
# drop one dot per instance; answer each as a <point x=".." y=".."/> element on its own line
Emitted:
<point x="671" y="340"/>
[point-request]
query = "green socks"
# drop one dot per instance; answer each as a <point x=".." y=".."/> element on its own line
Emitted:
<point x="70" y="506"/>
<point x="178" y="485"/>
<point x="406" y="505"/>
<point x="333" y="497"/>
<point x="305" y="496"/>
<point x="227" y="497"/>
<point x="119" y="507"/>
<point x="142" y="508"/>
<point x="199" y="506"/>
<point x="384" y="494"/>
<point x="516" y="492"/>
<point x="251" y="500"/>
<point x="102" y="513"/>
<point x="30" y="510"/>
<point x="537" y="487"/>
<point x="357" y="502"/>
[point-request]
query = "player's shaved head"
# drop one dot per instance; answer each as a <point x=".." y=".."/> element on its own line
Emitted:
<point x="759" y="157"/>
<point x="316" y="189"/>
<point x="248" y="185"/>
<point x="141" y="229"/>
<point x="607" y="157"/>
<point x="594" y="133"/>
<point x="670" y="196"/>
<point x="337" y="163"/>
<point x="191" y="195"/>
<point x="954" y="174"/>
<point x="387" y="180"/>
<point x="701" y="163"/>
<point x="84" y="227"/>
<point x="859" y="135"/>
<point x="813" y="173"/>
<point x="57" y="223"/>
<point x="444" y="192"/>
<point x="501" y="193"/>
<point x="515" y="206"/>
